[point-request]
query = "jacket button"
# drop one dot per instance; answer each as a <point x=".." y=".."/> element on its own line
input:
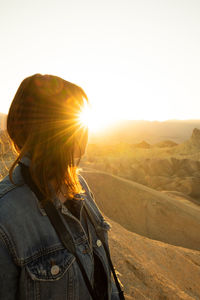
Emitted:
<point x="55" y="270"/>
<point x="64" y="210"/>
<point x="99" y="243"/>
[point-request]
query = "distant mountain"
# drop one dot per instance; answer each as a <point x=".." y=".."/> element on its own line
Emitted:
<point x="143" y="144"/>
<point x="166" y="143"/>
<point x="134" y="131"/>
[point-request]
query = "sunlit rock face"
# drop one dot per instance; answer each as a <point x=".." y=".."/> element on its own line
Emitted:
<point x="195" y="138"/>
<point x="181" y="175"/>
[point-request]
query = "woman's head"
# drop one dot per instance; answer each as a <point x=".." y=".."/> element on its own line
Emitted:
<point x="43" y="123"/>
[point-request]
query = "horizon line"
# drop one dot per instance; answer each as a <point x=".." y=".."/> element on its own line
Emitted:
<point x="140" y="120"/>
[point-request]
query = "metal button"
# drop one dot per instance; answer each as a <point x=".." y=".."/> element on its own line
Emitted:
<point x="64" y="210"/>
<point x="99" y="243"/>
<point x="55" y="270"/>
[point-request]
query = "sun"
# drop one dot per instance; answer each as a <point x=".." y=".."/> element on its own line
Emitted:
<point x="92" y="119"/>
<point x="87" y="118"/>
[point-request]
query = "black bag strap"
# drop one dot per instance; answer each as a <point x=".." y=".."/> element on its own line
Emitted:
<point x="101" y="237"/>
<point x="67" y="241"/>
<point x="58" y="225"/>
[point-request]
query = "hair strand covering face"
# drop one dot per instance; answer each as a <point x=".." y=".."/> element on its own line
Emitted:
<point x="43" y="125"/>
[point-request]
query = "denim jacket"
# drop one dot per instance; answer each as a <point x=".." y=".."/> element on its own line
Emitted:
<point x="34" y="264"/>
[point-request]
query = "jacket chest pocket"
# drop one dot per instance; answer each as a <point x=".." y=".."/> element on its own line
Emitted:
<point x="51" y="276"/>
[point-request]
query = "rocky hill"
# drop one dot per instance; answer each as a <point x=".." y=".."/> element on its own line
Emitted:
<point x="195" y="138"/>
<point x="181" y="175"/>
<point x="154" y="270"/>
<point x="163" y="166"/>
<point x="146" y="211"/>
<point x="165" y="144"/>
<point x="190" y="146"/>
<point x="142" y="144"/>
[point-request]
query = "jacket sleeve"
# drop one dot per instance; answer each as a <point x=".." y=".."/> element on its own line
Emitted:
<point x="9" y="275"/>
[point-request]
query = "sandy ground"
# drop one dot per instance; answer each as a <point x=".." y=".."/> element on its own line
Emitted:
<point x="154" y="270"/>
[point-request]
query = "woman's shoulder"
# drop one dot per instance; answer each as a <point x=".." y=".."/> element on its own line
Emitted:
<point x="85" y="185"/>
<point x="92" y="206"/>
<point x="9" y="188"/>
<point x="23" y="224"/>
<point x="16" y="199"/>
<point x="6" y="186"/>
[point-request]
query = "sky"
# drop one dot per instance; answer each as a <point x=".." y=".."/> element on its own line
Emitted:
<point x="135" y="59"/>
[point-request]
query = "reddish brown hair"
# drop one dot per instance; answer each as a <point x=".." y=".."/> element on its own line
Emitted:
<point x="43" y="124"/>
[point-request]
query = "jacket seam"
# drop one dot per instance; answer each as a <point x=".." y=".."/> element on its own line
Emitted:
<point x="11" y="248"/>
<point x="42" y="252"/>
<point x="21" y="262"/>
<point x="8" y="189"/>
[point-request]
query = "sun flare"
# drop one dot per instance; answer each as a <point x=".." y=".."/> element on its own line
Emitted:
<point x="93" y="119"/>
<point x="87" y="118"/>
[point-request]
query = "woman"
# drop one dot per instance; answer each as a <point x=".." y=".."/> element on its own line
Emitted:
<point x="53" y="238"/>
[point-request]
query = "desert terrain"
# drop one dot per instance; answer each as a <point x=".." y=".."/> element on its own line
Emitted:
<point x="148" y="189"/>
<point x="154" y="270"/>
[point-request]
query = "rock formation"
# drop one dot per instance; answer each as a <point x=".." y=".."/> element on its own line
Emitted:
<point x="195" y="138"/>
<point x="166" y="143"/>
<point x="181" y="175"/>
<point x="142" y="144"/>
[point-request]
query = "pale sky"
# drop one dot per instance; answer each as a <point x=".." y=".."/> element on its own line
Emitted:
<point x="135" y="59"/>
